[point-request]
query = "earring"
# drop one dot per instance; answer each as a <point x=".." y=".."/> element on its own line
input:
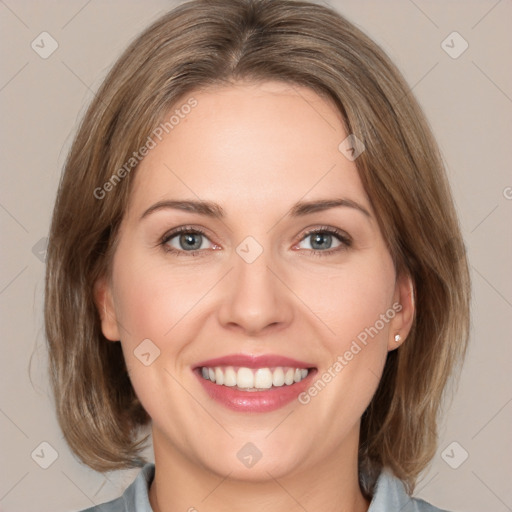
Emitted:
<point x="398" y="337"/>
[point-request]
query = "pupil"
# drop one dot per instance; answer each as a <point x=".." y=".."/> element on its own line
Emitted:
<point x="320" y="239"/>
<point x="187" y="241"/>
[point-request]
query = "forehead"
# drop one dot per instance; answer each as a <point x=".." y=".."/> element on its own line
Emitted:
<point x="251" y="146"/>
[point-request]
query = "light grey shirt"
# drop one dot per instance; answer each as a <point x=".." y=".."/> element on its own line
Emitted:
<point x="389" y="496"/>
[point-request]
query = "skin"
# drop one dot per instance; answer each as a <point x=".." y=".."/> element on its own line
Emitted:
<point x="255" y="149"/>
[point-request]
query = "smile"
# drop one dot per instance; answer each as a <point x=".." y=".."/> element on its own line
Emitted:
<point x="250" y="379"/>
<point x="248" y="383"/>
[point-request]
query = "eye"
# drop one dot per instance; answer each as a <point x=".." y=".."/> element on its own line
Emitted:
<point x="192" y="241"/>
<point x="186" y="239"/>
<point x="326" y="240"/>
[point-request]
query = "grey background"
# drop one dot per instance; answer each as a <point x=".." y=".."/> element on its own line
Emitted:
<point x="468" y="101"/>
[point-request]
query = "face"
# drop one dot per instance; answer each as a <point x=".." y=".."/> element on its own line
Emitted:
<point x="249" y="254"/>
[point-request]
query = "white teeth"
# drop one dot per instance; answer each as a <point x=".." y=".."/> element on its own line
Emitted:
<point x="263" y="378"/>
<point x="253" y="379"/>
<point x="229" y="377"/>
<point x="245" y="378"/>
<point x="278" y="377"/>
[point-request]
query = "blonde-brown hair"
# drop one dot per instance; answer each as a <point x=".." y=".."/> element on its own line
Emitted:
<point x="207" y="42"/>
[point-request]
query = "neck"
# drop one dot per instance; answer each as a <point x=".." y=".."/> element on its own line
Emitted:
<point x="331" y="485"/>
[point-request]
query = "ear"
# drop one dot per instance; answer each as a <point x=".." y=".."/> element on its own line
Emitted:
<point x="404" y="306"/>
<point x="105" y="305"/>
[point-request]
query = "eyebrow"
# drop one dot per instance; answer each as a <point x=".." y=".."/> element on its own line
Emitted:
<point x="214" y="210"/>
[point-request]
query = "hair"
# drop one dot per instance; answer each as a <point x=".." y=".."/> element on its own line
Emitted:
<point x="203" y="43"/>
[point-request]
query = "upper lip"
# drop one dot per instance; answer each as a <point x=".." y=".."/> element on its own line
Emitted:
<point x="251" y="361"/>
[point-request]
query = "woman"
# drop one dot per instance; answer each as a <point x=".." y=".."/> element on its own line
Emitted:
<point x="254" y="250"/>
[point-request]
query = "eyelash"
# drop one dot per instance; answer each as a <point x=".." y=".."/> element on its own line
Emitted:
<point x="346" y="241"/>
<point x="342" y="237"/>
<point x="178" y="231"/>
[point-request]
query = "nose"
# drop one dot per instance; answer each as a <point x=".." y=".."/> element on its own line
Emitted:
<point x="257" y="299"/>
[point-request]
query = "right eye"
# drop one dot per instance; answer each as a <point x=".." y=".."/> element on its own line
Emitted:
<point x="185" y="239"/>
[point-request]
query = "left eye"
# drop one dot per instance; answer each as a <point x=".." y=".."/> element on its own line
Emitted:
<point x="321" y="240"/>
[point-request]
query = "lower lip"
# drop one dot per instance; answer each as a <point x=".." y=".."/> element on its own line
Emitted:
<point x="254" y="401"/>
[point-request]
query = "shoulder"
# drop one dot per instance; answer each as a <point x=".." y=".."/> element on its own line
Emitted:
<point x="135" y="498"/>
<point x="390" y="495"/>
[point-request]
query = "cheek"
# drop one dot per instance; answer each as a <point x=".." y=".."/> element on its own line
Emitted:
<point x="351" y="299"/>
<point x="156" y="302"/>
<point x="356" y="304"/>
<point x="151" y="299"/>
<point x="153" y="303"/>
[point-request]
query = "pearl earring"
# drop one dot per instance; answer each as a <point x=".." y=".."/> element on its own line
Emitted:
<point x="398" y="337"/>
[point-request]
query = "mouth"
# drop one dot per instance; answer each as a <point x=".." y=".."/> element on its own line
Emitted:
<point x="254" y="383"/>
<point x="249" y="379"/>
